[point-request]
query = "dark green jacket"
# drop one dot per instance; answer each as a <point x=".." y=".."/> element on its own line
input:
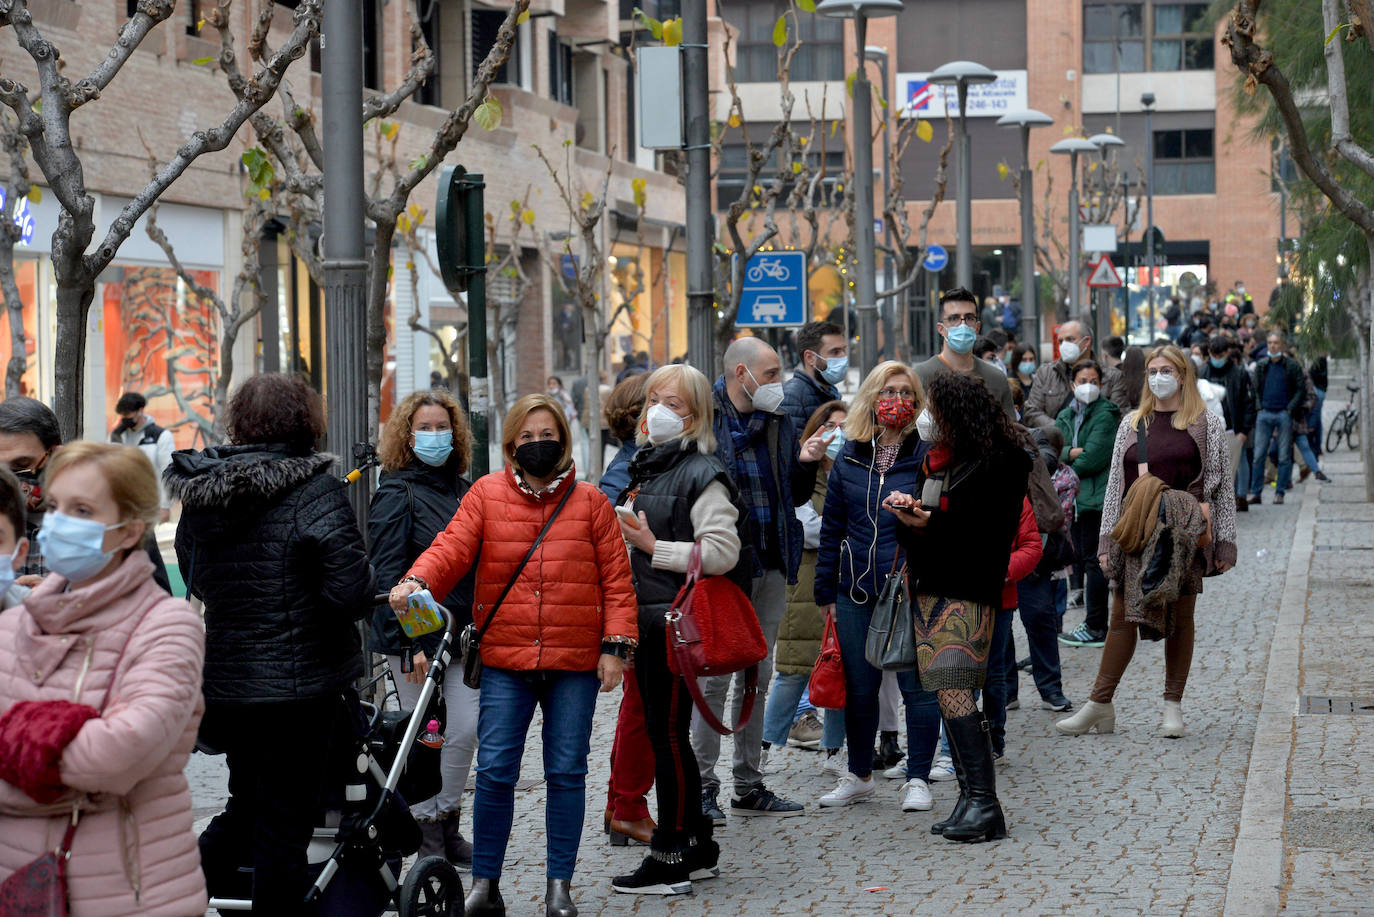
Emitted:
<point x="1096" y="437"/>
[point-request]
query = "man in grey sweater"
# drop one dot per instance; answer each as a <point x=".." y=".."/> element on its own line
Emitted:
<point x="959" y="326"/>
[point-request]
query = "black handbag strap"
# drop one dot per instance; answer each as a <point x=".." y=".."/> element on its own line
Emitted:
<point x="1141" y="452"/>
<point x="528" y="554"/>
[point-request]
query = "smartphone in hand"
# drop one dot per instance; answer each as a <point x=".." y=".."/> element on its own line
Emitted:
<point x="627" y="516"/>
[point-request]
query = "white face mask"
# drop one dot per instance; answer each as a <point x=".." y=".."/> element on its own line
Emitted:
<point x="925" y="426"/>
<point x="663" y="424"/>
<point x="1164" y="386"/>
<point x="1087" y="392"/>
<point x="1069" y="351"/>
<point x="766" y="398"/>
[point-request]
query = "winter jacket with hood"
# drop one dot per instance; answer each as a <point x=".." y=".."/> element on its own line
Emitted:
<point x="269" y="542"/>
<point x="1052" y="391"/>
<point x="411" y="506"/>
<point x="859" y="537"/>
<point x="1026" y="552"/>
<point x="1239" y="403"/>
<point x="1095" y="436"/>
<point x="802" y="395"/>
<point x="575" y="592"/>
<point x="134" y="851"/>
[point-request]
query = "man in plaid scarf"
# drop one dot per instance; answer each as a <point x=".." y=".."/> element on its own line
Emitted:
<point x="758" y="446"/>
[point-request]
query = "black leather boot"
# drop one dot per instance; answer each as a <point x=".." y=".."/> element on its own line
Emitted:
<point x="457" y="849"/>
<point x="962" y="803"/>
<point x="982" y="818"/>
<point x="558" y="899"/>
<point x="431" y="838"/>
<point x="484" y="900"/>
<point x="888" y="752"/>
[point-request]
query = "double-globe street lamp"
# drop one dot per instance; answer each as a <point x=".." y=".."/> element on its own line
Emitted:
<point x="865" y="286"/>
<point x="1030" y="308"/>
<point x="962" y="74"/>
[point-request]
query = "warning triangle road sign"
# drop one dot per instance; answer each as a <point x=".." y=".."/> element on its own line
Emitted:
<point x="1104" y="274"/>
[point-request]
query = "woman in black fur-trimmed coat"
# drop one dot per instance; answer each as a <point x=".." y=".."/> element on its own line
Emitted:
<point x="269" y="542"/>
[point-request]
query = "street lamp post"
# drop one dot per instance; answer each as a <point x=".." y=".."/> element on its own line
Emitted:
<point x="1147" y="103"/>
<point x="865" y="287"/>
<point x="890" y="324"/>
<point x="1105" y="144"/>
<point x="1030" y="309"/>
<point x="962" y="74"/>
<point x="701" y="309"/>
<point x="1073" y="146"/>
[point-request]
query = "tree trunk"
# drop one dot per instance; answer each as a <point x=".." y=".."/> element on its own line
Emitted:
<point x="592" y="347"/>
<point x="379" y="260"/>
<point x="1366" y="397"/>
<point x="74" y="297"/>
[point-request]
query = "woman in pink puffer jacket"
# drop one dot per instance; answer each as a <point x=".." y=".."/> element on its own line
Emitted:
<point x="105" y="635"/>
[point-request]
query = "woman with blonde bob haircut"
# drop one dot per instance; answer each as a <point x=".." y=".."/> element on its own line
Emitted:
<point x="1186" y="449"/>
<point x="425" y="450"/>
<point x="555" y="610"/>
<point x="100" y="675"/>
<point x="863" y="424"/>
<point x="682" y="499"/>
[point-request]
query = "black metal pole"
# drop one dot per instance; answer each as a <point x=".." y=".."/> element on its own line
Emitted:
<point x="1030" y="307"/>
<point x="345" y="268"/>
<point x="479" y="384"/>
<point x="701" y="307"/>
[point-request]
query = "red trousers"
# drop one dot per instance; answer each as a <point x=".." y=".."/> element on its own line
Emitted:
<point x="632" y="758"/>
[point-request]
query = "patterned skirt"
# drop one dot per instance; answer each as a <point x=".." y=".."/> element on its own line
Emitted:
<point x="952" y="641"/>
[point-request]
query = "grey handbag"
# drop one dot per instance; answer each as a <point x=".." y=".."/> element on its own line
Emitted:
<point x="891" y="643"/>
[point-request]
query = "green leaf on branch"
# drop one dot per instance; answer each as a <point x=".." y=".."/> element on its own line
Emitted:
<point x="639" y="186"/>
<point x="418" y="163"/>
<point x="1331" y="36"/>
<point x="202" y="61"/>
<point x="849" y="83"/>
<point x="35" y="194"/>
<point x="1002" y="171"/>
<point x="720" y="249"/>
<point x="672" y="32"/>
<point x="488" y="114"/>
<point x="653" y="25"/>
<point x="924" y="131"/>
<point x="527" y="216"/>
<point x="389" y="129"/>
<point x="780" y="31"/>
<point x="259" y="168"/>
<point x="807" y="5"/>
<point x="523" y="18"/>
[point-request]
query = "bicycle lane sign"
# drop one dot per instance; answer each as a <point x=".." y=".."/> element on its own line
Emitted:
<point x="774" y="292"/>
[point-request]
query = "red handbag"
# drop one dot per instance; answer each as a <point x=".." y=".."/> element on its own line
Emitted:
<point x="826" y="686"/>
<point x="39" y="889"/>
<point x="712" y="629"/>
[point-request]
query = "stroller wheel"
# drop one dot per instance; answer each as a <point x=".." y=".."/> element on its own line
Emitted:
<point x="431" y="888"/>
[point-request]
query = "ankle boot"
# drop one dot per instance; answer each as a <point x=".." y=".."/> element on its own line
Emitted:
<point x="1090" y="716"/>
<point x="982" y="818"/>
<point x="457" y="849"/>
<point x="962" y="803"/>
<point x="888" y="752"/>
<point x="484" y="900"/>
<point x="431" y="838"/>
<point x="558" y="899"/>
<point x="623" y="833"/>
<point x="1172" y="725"/>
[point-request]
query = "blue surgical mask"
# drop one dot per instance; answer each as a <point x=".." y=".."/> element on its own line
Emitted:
<point x="836" y="368"/>
<point x="1218" y="362"/>
<point x="832" y="451"/>
<point x="433" y="447"/>
<point x="72" y="547"/>
<point x="7" y="572"/>
<point x="1026" y="368"/>
<point x="960" y="338"/>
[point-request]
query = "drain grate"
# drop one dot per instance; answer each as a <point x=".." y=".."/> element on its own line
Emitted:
<point x="1311" y="704"/>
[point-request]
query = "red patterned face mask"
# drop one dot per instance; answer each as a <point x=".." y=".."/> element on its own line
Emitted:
<point x="895" y="412"/>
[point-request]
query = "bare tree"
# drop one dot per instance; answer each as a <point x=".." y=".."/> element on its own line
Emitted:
<point x="16" y="189"/>
<point x="45" y="121"/>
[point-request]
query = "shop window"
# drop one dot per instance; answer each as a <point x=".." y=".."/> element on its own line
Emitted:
<point x="820" y="56"/>
<point x="1185" y="162"/>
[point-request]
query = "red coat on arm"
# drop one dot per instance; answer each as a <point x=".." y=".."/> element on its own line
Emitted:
<point x="1026" y="552"/>
<point x="575" y="592"/>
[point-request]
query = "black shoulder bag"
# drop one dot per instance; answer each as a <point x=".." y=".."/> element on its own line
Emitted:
<point x="471" y="640"/>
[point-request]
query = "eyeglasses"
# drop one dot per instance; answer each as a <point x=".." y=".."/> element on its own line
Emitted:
<point x="968" y="318"/>
<point x="893" y="393"/>
<point x="831" y="425"/>
<point x="1161" y="372"/>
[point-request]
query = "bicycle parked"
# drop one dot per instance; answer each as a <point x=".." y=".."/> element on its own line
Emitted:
<point x="1347" y="423"/>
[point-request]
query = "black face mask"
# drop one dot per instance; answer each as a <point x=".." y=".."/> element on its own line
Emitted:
<point x="539" y="458"/>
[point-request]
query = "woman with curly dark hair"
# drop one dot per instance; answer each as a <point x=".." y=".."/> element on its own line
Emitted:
<point x="425" y="449"/>
<point x="957" y="529"/>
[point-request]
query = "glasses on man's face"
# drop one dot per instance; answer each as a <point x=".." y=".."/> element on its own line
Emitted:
<point x="905" y="395"/>
<point x="968" y="318"/>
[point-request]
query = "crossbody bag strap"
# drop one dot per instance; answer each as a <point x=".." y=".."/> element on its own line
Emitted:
<point x="521" y="569"/>
<point x="1141" y="452"/>
<point x="751" y="691"/>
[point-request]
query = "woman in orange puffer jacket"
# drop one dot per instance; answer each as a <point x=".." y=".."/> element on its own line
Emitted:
<point x="566" y="626"/>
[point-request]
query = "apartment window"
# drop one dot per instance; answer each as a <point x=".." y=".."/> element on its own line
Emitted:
<point x="1134" y="37"/>
<point x="486" y="26"/>
<point x="428" y="13"/>
<point x="1185" y="162"/>
<point x="820" y="57"/>
<point x="1182" y="38"/>
<point x="560" y="71"/>
<point x="372" y="46"/>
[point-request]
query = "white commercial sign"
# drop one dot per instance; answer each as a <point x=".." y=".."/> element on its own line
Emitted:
<point x="922" y="99"/>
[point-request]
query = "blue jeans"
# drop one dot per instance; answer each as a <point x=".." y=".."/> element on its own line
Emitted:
<point x="861" y="684"/>
<point x="1035" y="596"/>
<point x="567" y="700"/>
<point x="787" y="703"/>
<point x="1314" y="421"/>
<point x="995" y="686"/>
<point x="1269" y="425"/>
<point x="1305" y="447"/>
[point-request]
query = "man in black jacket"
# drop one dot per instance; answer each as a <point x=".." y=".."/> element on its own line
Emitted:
<point x="1280" y="391"/>
<point x="1239" y="407"/>
<point x="824" y="364"/>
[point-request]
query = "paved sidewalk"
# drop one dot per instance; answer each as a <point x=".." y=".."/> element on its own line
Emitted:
<point x="1121" y="824"/>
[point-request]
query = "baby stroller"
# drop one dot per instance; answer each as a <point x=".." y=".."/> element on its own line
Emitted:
<point x="367" y="828"/>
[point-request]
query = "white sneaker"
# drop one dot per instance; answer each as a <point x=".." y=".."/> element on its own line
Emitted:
<point x="848" y="791"/>
<point x="942" y="768"/>
<point x="896" y="772"/>
<point x="916" y="796"/>
<point x="834" y="765"/>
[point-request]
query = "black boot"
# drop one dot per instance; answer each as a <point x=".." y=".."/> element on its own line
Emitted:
<point x="889" y="753"/>
<point x="982" y="818"/>
<point x="558" y="899"/>
<point x="484" y="900"/>
<point x="431" y="838"/>
<point x="457" y="849"/>
<point x="962" y="803"/>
